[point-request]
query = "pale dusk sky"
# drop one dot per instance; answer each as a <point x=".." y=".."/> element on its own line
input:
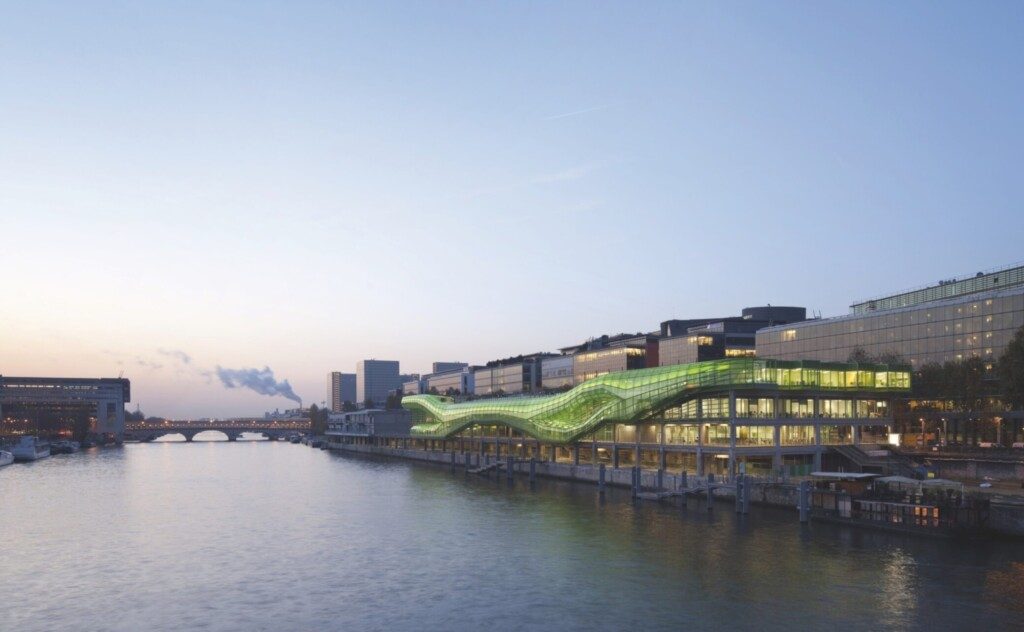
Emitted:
<point x="303" y="185"/>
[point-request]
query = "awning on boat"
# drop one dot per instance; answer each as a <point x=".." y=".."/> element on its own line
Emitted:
<point x="899" y="480"/>
<point x="844" y="476"/>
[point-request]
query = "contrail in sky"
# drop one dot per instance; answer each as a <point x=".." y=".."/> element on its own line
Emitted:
<point x="583" y="111"/>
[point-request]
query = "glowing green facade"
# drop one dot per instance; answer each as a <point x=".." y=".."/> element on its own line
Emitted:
<point x="632" y="396"/>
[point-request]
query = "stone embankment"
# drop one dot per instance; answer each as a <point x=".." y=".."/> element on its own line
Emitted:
<point x="1006" y="517"/>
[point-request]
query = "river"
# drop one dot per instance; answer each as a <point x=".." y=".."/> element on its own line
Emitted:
<point x="253" y="535"/>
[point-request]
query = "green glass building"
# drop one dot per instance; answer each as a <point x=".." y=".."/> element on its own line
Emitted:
<point x="703" y="417"/>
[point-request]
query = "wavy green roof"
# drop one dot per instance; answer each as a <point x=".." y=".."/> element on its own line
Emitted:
<point x="631" y="396"/>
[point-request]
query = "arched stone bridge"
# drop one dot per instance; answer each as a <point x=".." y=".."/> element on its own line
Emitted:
<point x="231" y="428"/>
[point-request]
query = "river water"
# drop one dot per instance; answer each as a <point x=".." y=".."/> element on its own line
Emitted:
<point x="255" y="535"/>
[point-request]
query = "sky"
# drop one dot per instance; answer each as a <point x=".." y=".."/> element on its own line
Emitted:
<point x="301" y="185"/>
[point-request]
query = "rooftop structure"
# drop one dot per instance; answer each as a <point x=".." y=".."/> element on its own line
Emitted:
<point x="444" y="367"/>
<point x="998" y="279"/>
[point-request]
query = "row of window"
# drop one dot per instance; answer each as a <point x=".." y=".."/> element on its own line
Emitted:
<point x="713" y="434"/>
<point x="765" y="407"/>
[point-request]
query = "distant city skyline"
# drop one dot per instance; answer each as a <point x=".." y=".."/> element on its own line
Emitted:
<point x="201" y="196"/>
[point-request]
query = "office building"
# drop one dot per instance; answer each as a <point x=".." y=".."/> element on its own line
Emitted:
<point x="453" y="382"/>
<point x="610" y="354"/>
<point x="341" y="388"/>
<point x="510" y="376"/>
<point x="375" y="380"/>
<point x="699" y="340"/>
<point x="556" y="373"/>
<point x="54" y="405"/>
<point x="951" y="320"/>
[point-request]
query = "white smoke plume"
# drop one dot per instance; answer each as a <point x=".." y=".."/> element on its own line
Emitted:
<point x="259" y="380"/>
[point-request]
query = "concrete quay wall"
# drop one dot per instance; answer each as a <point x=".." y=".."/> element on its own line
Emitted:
<point x="1004" y="519"/>
<point x="777" y="494"/>
<point x="977" y="469"/>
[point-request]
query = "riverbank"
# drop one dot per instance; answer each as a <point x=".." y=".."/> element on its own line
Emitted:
<point x="1006" y="518"/>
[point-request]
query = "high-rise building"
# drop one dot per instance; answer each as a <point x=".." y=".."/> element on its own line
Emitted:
<point x="375" y="380"/>
<point x="341" y="388"/>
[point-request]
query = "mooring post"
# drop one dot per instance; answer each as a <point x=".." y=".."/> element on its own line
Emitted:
<point x="661" y="479"/>
<point x="739" y="493"/>
<point x="804" y="501"/>
<point x="533" y="470"/>
<point x="711" y="481"/>
<point x="600" y="478"/>
<point x="510" y="463"/>
<point x="746" y="494"/>
<point x="452" y="459"/>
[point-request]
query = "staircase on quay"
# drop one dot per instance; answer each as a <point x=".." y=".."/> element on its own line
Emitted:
<point x="876" y="459"/>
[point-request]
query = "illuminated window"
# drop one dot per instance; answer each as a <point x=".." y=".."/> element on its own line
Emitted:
<point x="789" y="335"/>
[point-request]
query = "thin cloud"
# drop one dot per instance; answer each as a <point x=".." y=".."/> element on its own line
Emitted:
<point x="178" y="354"/>
<point x="148" y="363"/>
<point x="578" y="112"/>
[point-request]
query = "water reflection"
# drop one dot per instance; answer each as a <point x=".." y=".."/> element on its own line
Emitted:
<point x="268" y="535"/>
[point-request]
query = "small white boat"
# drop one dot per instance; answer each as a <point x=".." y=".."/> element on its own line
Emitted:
<point x="30" y="449"/>
<point x="64" y="447"/>
<point x="6" y="458"/>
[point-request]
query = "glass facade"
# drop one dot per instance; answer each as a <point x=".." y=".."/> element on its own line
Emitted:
<point x="979" y="325"/>
<point x="445" y="383"/>
<point x="952" y="288"/>
<point x="508" y="379"/>
<point x="836" y="435"/>
<point x="590" y="364"/>
<point x="556" y="373"/>
<point x="684" y="349"/>
<point x="755" y="435"/>
<point x="677" y="434"/>
<point x="647" y="394"/>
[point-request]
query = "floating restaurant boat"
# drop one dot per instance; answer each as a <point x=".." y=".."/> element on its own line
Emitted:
<point x="6" y="458"/>
<point x="898" y="503"/>
<point x="30" y="448"/>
